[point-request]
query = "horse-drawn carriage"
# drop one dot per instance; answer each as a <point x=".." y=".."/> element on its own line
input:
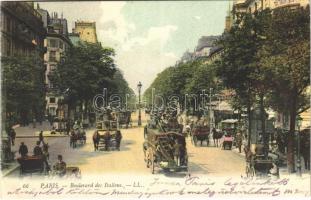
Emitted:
<point x="107" y="135"/>
<point x="124" y="118"/>
<point x="227" y="142"/>
<point x="200" y="133"/>
<point x="166" y="150"/>
<point x="77" y="135"/>
<point x="31" y="164"/>
<point x="259" y="164"/>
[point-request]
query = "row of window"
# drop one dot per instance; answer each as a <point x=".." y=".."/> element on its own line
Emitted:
<point x="54" y="43"/>
<point x="52" y="56"/>
<point x="9" y="48"/>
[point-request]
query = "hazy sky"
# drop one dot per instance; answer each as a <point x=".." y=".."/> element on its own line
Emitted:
<point x="147" y="36"/>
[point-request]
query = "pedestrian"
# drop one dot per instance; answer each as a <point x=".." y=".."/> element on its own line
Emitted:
<point x="37" y="151"/>
<point x="238" y="141"/>
<point x="23" y="150"/>
<point x="73" y="139"/>
<point x="50" y="118"/>
<point x="41" y="137"/>
<point x="118" y="139"/>
<point x="46" y="156"/>
<point x="12" y="136"/>
<point x="68" y="127"/>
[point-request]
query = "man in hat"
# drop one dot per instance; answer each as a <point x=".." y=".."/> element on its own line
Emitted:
<point x="37" y="151"/>
<point x="238" y="141"/>
<point x="23" y="150"/>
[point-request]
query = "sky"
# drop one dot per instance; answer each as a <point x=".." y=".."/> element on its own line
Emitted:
<point x="147" y="36"/>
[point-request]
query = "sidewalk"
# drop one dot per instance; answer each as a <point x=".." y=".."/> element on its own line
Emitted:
<point x="30" y="131"/>
<point x="11" y="167"/>
<point x="29" y="135"/>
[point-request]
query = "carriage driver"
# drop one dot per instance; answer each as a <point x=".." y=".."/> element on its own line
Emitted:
<point x="60" y="166"/>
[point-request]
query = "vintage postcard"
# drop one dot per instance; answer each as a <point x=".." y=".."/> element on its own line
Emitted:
<point x="155" y="99"/>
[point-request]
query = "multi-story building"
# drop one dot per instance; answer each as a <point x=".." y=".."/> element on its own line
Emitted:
<point x="22" y="34"/>
<point x="56" y="42"/>
<point x="22" y="31"/>
<point x="86" y="31"/>
<point x="254" y="5"/>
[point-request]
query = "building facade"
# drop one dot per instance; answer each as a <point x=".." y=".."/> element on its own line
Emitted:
<point x="22" y="31"/>
<point x="56" y="42"/>
<point x="86" y="31"/>
<point x="253" y="5"/>
<point x="22" y="34"/>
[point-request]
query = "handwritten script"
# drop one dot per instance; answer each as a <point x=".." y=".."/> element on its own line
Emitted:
<point x="157" y="187"/>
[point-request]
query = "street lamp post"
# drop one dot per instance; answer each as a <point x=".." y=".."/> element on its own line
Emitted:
<point x="210" y="110"/>
<point x="139" y="112"/>
<point x="299" y="121"/>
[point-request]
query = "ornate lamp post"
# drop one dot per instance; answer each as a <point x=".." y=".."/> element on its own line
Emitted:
<point x="139" y="112"/>
<point x="299" y="122"/>
<point x="210" y="110"/>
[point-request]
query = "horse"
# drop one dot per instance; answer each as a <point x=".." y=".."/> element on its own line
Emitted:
<point x="96" y="138"/>
<point x="216" y="136"/>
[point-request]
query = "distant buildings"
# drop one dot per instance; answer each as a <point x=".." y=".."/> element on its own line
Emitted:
<point x="205" y="48"/>
<point x="86" y="31"/>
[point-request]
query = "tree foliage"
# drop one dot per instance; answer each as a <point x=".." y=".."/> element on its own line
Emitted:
<point x="185" y="78"/>
<point x="267" y="58"/>
<point x="23" y="88"/>
<point x="85" y="70"/>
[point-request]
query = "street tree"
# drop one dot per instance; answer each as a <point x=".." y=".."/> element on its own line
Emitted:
<point x="237" y="67"/>
<point x="84" y="70"/>
<point x="286" y="58"/>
